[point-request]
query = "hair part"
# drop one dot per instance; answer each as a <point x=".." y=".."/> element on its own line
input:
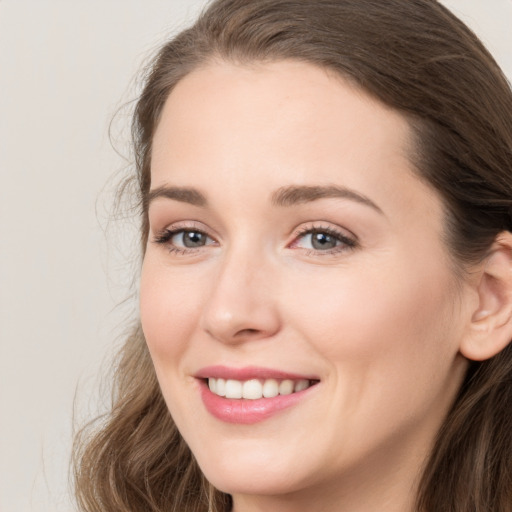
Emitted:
<point x="419" y="59"/>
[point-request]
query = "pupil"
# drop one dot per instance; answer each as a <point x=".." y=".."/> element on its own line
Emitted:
<point x="323" y="241"/>
<point x="193" y="239"/>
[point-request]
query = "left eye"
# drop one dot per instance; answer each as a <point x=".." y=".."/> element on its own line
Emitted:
<point x="321" y="240"/>
<point x="189" y="239"/>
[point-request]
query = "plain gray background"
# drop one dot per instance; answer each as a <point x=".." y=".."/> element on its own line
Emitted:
<point x="66" y="66"/>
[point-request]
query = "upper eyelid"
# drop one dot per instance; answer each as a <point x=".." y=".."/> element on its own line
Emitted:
<point x="302" y="230"/>
<point x="165" y="236"/>
<point x="188" y="225"/>
<point x="349" y="241"/>
<point x="176" y="230"/>
<point x="334" y="230"/>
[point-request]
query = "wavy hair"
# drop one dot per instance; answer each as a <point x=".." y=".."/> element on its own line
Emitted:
<point x="418" y="58"/>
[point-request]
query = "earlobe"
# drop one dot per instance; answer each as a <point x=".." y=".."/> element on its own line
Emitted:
<point x="491" y="323"/>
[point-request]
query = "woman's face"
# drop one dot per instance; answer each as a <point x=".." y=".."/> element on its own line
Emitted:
<point x="292" y="247"/>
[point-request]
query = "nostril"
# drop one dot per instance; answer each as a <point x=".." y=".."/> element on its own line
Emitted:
<point x="247" y="332"/>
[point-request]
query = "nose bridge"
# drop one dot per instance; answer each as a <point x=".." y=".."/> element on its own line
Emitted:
<point x="242" y="304"/>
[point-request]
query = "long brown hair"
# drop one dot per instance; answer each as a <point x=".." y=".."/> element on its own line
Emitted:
<point x="418" y="58"/>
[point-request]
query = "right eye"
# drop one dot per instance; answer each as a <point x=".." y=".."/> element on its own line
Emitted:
<point x="182" y="240"/>
<point x="189" y="239"/>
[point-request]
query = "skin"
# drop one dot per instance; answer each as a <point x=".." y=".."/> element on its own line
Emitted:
<point x="380" y="324"/>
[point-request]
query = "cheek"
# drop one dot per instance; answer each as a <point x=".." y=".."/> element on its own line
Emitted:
<point x="169" y="316"/>
<point x="392" y="352"/>
<point x="363" y="312"/>
<point x="169" y="311"/>
<point x="383" y="333"/>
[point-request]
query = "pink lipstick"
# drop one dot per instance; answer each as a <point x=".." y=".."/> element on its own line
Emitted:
<point x="251" y="394"/>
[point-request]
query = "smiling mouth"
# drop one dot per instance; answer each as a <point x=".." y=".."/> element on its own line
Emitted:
<point x="252" y="394"/>
<point x="254" y="389"/>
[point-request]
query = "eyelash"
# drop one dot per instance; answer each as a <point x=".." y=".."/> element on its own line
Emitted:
<point x="165" y="236"/>
<point x="346" y="243"/>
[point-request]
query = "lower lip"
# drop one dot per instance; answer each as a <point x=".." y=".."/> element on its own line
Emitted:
<point x="245" y="411"/>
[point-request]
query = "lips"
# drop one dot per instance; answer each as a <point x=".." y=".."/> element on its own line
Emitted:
<point x="252" y="394"/>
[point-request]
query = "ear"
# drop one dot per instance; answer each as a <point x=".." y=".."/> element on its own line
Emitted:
<point x="491" y="323"/>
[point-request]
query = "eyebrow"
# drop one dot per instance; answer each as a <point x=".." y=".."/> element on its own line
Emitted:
<point x="289" y="196"/>
<point x="284" y="196"/>
<point x="182" y="194"/>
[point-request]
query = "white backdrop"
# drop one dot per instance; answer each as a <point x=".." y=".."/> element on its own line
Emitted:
<point x="65" y="68"/>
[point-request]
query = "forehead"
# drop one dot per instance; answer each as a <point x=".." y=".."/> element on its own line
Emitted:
<point x="281" y="104"/>
<point x="279" y="122"/>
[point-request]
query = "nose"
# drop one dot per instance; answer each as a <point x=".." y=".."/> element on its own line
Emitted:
<point x="242" y="304"/>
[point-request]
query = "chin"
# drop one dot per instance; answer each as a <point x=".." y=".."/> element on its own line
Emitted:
<point x="251" y="480"/>
<point x="256" y="471"/>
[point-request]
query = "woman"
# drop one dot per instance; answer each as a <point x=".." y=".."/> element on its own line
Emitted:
<point x="326" y="288"/>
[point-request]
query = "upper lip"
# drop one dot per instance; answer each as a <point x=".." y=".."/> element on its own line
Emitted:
<point x="247" y="373"/>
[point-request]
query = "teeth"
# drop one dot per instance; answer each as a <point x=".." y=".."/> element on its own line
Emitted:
<point x="255" y="388"/>
<point x="270" y="388"/>
<point x="252" y="389"/>
<point x="286" y="387"/>
<point x="300" y="385"/>
<point x="220" y="388"/>
<point x="233" y="389"/>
